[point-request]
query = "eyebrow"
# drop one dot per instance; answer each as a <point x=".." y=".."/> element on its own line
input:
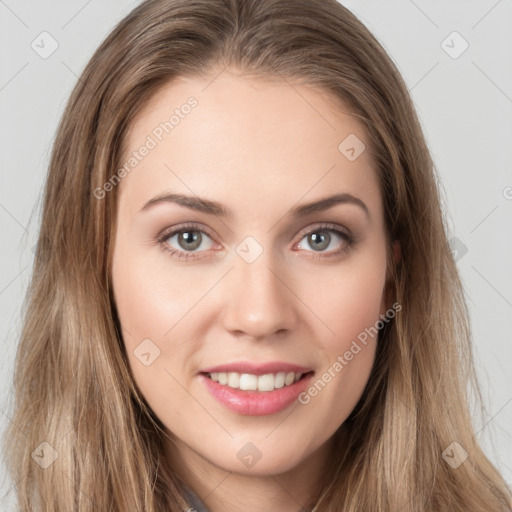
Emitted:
<point x="214" y="208"/>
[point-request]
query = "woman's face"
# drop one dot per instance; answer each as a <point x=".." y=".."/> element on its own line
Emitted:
<point x="244" y="273"/>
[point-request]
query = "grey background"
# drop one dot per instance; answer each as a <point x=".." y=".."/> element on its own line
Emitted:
<point x="464" y="103"/>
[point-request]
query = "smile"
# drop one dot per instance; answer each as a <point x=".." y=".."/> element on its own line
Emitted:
<point x="251" y="382"/>
<point x="256" y="390"/>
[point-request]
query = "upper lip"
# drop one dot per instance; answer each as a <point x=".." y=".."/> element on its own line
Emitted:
<point x="257" y="368"/>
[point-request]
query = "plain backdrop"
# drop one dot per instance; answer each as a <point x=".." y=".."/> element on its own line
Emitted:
<point x="456" y="58"/>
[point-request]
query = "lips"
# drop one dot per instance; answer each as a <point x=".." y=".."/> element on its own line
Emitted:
<point x="256" y="389"/>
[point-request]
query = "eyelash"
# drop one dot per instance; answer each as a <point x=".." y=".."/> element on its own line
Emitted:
<point x="348" y="240"/>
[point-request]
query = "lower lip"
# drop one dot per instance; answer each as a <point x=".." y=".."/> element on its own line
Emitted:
<point x="256" y="403"/>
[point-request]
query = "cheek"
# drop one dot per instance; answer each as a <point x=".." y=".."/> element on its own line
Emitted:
<point x="150" y="300"/>
<point x="146" y="316"/>
<point x="350" y="299"/>
<point x="157" y="312"/>
<point x="143" y="313"/>
<point x="350" y="305"/>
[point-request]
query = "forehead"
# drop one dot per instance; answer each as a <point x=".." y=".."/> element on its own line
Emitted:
<point x="249" y="142"/>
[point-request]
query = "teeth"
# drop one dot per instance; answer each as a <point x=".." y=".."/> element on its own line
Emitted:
<point x="249" y="382"/>
<point x="266" y="382"/>
<point x="233" y="380"/>
<point x="279" y="380"/>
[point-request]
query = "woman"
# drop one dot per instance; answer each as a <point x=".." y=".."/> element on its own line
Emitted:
<point x="310" y="348"/>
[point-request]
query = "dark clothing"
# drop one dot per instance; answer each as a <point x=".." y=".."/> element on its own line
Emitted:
<point x="195" y="503"/>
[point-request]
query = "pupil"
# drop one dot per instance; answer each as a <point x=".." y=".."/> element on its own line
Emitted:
<point x="319" y="241"/>
<point x="190" y="237"/>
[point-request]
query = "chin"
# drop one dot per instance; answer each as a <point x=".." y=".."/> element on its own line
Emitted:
<point x="264" y="455"/>
<point x="268" y="464"/>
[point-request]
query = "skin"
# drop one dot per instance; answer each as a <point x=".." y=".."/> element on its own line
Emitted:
<point x="260" y="148"/>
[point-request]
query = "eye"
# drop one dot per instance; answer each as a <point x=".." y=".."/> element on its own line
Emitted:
<point x="324" y="236"/>
<point x="188" y="240"/>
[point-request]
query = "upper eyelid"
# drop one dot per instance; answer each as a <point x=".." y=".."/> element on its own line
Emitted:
<point x="171" y="231"/>
<point x="328" y="226"/>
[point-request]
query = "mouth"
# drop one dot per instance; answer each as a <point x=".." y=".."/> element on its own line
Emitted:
<point x="256" y="390"/>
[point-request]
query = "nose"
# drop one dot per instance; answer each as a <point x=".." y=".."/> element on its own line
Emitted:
<point x="259" y="300"/>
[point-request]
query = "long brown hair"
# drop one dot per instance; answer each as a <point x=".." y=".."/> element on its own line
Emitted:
<point x="73" y="387"/>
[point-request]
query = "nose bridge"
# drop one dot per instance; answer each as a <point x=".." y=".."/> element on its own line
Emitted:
<point x="258" y="301"/>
